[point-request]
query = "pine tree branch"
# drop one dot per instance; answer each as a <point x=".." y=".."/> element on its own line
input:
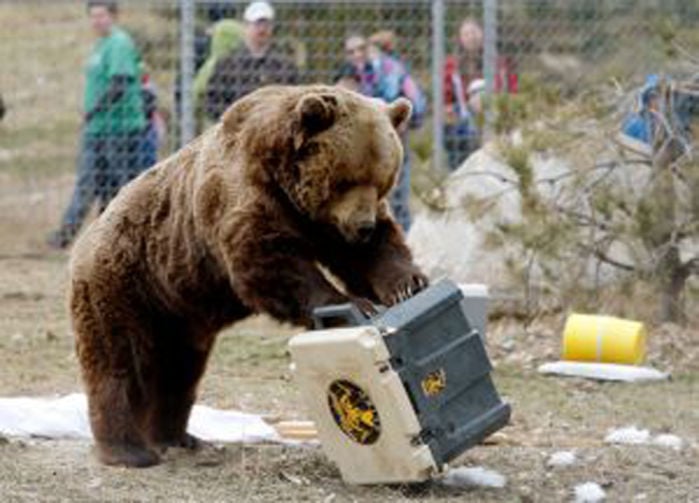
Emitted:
<point x="691" y="266"/>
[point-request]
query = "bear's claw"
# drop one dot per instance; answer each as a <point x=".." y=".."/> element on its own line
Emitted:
<point x="404" y="288"/>
<point x="189" y="442"/>
<point x="365" y="306"/>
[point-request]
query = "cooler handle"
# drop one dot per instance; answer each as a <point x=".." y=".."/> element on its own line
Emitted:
<point x="347" y="313"/>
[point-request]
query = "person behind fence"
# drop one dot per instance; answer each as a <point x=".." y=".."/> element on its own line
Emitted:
<point x="227" y="35"/>
<point x="370" y="71"/>
<point x="114" y="121"/>
<point x="461" y="132"/>
<point x="659" y="125"/>
<point x="156" y="121"/>
<point x="385" y="41"/>
<point x="641" y="127"/>
<point x="258" y="62"/>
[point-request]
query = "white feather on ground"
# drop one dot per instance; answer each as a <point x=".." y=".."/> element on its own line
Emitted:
<point x="589" y="492"/>
<point x="628" y="435"/>
<point x="669" y="441"/>
<point x="478" y="476"/>
<point x="560" y="459"/>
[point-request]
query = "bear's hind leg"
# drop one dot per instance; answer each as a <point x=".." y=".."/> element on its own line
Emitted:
<point x="118" y="438"/>
<point x="180" y="367"/>
<point x="114" y="353"/>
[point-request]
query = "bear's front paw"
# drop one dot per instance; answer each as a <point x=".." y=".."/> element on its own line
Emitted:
<point x="402" y="288"/>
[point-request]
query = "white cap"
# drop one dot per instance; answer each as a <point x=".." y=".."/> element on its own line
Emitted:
<point x="476" y="86"/>
<point x="257" y="11"/>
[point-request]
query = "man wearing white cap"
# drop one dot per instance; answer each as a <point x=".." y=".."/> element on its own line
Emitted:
<point x="259" y="62"/>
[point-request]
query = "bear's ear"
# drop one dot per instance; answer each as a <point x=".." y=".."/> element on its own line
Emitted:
<point x="314" y="113"/>
<point x="399" y="112"/>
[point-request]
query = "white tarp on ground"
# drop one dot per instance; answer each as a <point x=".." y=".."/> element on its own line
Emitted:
<point x="603" y="371"/>
<point x="66" y="417"/>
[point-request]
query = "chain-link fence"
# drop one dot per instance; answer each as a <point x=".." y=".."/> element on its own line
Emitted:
<point x="473" y="69"/>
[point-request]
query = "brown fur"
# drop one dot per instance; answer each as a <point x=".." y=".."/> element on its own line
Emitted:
<point x="235" y="223"/>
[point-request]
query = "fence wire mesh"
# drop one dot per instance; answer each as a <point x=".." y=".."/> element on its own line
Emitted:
<point x="477" y="68"/>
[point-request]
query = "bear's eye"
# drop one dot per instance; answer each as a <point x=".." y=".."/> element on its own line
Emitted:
<point x="307" y="151"/>
<point x="344" y="185"/>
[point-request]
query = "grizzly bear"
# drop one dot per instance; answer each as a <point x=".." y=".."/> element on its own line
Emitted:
<point x="237" y="222"/>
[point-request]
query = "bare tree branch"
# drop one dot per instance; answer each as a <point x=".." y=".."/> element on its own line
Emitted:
<point x="685" y="53"/>
<point x="606" y="258"/>
<point x="583" y="219"/>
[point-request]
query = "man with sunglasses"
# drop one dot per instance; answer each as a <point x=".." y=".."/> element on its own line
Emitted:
<point x="258" y="62"/>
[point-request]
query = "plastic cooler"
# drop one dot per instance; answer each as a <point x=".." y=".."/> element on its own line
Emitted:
<point x="397" y="396"/>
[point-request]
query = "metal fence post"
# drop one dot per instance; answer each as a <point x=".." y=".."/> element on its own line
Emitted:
<point x="490" y="54"/>
<point x="186" y="70"/>
<point x="438" y="84"/>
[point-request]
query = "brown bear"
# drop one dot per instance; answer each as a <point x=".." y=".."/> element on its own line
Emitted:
<point x="237" y="222"/>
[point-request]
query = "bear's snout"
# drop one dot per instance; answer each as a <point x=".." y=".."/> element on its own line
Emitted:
<point x="354" y="214"/>
<point x="358" y="231"/>
<point x="365" y="230"/>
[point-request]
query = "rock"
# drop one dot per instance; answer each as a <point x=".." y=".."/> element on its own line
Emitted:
<point x="466" y="239"/>
<point x="453" y="243"/>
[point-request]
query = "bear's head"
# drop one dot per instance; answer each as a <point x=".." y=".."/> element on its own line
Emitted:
<point x="334" y="153"/>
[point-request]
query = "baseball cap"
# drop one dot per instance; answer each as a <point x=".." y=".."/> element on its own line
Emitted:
<point x="476" y="86"/>
<point x="257" y="11"/>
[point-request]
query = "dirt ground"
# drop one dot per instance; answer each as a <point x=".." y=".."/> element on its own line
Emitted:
<point x="249" y="371"/>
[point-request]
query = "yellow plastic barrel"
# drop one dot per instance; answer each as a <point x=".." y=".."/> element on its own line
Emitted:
<point x="595" y="338"/>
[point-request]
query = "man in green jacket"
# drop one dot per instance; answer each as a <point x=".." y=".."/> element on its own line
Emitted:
<point x="114" y="121"/>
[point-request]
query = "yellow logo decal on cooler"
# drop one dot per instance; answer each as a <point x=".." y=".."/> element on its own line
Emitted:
<point x="354" y="412"/>
<point x="434" y="382"/>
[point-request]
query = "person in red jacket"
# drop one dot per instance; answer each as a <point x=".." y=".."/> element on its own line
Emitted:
<point x="461" y="134"/>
